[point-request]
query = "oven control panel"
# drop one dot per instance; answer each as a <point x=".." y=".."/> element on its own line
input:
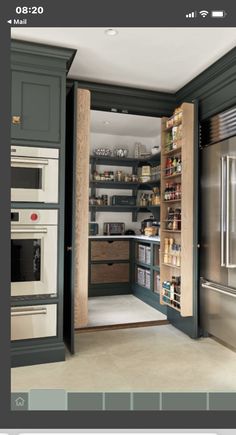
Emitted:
<point x="34" y="217"/>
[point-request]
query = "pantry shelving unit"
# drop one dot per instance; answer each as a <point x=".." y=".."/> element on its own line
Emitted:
<point x="182" y="147"/>
<point x="134" y="186"/>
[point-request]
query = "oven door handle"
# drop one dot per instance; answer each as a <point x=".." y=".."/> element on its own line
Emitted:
<point x="29" y="230"/>
<point x="29" y="161"/>
<point x="31" y="312"/>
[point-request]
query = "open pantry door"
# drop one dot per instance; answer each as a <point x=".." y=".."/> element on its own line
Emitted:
<point x="77" y="213"/>
<point x="179" y="218"/>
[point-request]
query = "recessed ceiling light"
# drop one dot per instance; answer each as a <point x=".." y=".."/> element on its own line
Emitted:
<point x="106" y="122"/>
<point x="111" y="32"/>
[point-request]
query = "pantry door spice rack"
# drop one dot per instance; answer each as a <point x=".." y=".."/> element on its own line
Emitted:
<point x="177" y="263"/>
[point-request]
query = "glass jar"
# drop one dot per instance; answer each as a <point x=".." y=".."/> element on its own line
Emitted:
<point x="119" y="176"/>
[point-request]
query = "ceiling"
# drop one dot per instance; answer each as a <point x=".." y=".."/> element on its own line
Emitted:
<point x="163" y="59"/>
<point x="124" y="125"/>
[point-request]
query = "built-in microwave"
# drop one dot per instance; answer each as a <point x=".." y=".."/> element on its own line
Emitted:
<point x="34" y="174"/>
<point x="33" y="252"/>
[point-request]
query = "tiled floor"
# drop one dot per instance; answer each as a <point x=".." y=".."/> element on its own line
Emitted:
<point x="113" y="310"/>
<point x="158" y="358"/>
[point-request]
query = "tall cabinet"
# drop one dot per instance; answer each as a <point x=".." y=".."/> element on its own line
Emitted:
<point x="177" y="210"/>
<point x="38" y="100"/>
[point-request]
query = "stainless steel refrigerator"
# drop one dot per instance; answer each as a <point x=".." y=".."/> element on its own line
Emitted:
<point x="218" y="241"/>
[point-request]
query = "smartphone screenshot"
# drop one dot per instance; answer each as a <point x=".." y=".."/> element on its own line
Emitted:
<point x="118" y="216"/>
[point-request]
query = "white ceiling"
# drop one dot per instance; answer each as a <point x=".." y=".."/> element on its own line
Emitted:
<point x="161" y="59"/>
<point x="124" y="125"/>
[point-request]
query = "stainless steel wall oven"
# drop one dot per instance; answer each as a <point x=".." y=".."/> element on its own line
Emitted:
<point x="33" y="252"/>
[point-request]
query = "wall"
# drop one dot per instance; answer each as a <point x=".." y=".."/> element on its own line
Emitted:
<point x="107" y="140"/>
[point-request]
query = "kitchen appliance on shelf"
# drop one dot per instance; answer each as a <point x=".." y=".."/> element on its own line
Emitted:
<point x="152" y="224"/>
<point x="34" y="174"/>
<point x="33" y="252"/>
<point x="123" y="200"/>
<point x="218" y="238"/>
<point x="113" y="229"/>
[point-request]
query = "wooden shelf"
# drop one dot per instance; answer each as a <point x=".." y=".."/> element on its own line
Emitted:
<point x="171" y="265"/>
<point x="167" y="129"/>
<point x="172" y="152"/>
<point x="171" y="200"/>
<point x="185" y="149"/>
<point x="169" y="177"/>
<point x="171" y="231"/>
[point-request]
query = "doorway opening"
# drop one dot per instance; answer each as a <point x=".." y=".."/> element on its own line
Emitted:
<point x="124" y="181"/>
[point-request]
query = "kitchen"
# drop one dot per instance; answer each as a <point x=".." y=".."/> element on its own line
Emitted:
<point x="126" y="156"/>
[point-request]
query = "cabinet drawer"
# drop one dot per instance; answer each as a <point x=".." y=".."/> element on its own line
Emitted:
<point x="108" y="273"/>
<point x="110" y="250"/>
<point x="34" y="321"/>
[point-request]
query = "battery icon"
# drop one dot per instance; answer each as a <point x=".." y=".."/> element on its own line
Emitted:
<point x="218" y="14"/>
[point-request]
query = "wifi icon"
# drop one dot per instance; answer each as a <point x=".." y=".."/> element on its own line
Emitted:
<point x="203" y="13"/>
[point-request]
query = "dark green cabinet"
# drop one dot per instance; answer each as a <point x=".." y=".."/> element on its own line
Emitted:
<point x="36" y="107"/>
<point x="38" y="104"/>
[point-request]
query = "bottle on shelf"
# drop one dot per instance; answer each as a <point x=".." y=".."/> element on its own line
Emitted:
<point x="172" y="191"/>
<point x="172" y="252"/>
<point x="171" y="292"/>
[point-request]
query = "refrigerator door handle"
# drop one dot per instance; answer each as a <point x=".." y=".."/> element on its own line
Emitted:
<point x="222" y="213"/>
<point x="210" y="286"/>
<point x="228" y="208"/>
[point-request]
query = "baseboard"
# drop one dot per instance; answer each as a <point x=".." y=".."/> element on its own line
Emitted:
<point x="41" y="354"/>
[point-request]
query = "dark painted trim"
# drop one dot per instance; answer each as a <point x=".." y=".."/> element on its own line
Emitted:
<point x="128" y="100"/>
<point x="47" y="51"/>
<point x="30" y="355"/>
<point x="214" y="87"/>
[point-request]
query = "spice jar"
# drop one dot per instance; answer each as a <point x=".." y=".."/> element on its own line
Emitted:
<point x="134" y="178"/>
<point x="99" y="200"/>
<point x="156" y="196"/>
<point x="127" y="178"/>
<point x="119" y="175"/>
<point x="143" y="202"/>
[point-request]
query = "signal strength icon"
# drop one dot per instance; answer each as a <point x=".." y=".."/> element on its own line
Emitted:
<point x="203" y="13"/>
<point x="191" y="15"/>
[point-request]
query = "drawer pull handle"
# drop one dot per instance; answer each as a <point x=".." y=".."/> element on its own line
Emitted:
<point x="110" y="264"/>
<point x="110" y="241"/>
<point x="29" y="161"/>
<point x="29" y="230"/>
<point x="29" y="312"/>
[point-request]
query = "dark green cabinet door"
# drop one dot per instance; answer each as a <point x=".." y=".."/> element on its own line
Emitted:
<point x="35" y="107"/>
